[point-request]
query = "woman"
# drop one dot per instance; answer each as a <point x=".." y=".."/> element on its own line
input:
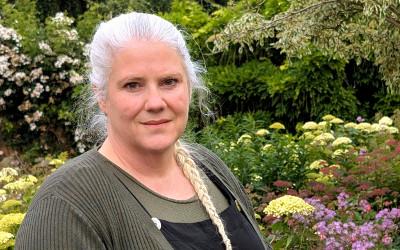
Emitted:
<point x="142" y="188"/>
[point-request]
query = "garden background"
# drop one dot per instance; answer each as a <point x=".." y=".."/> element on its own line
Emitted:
<point x="305" y="107"/>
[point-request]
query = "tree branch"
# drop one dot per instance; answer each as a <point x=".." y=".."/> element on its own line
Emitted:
<point x="295" y="13"/>
<point x="393" y="21"/>
<point x="394" y="10"/>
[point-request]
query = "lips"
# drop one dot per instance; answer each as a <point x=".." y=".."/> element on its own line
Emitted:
<point x="156" y="122"/>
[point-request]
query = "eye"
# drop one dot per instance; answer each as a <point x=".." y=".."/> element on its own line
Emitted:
<point x="170" y="81"/>
<point x="132" y="85"/>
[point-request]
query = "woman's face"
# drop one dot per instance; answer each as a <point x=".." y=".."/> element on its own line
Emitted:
<point x="147" y="97"/>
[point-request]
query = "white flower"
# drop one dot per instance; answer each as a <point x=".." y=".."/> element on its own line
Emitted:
<point x="340" y="141"/>
<point x="45" y="48"/>
<point x="61" y="59"/>
<point x="36" y="73"/>
<point x="2" y="102"/>
<point x="75" y="78"/>
<point x="59" y="18"/>
<point x="310" y="126"/>
<point x="19" y="77"/>
<point x="8" y="92"/>
<point x="385" y="121"/>
<point x="9" y="34"/>
<point x="37" y="91"/>
<point x="32" y="126"/>
<point x="37" y="115"/>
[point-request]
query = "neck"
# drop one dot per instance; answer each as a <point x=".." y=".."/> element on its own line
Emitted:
<point x="139" y="162"/>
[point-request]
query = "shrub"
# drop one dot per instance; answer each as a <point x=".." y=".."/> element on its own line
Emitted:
<point x="36" y="92"/>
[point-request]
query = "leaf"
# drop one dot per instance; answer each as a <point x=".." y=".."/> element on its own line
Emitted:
<point x="288" y="241"/>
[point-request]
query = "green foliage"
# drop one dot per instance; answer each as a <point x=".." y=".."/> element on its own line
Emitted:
<point x="356" y="29"/>
<point x="299" y="90"/>
<point x="103" y="11"/>
<point x="243" y="88"/>
<point x="21" y="16"/>
<point x="36" y="92"/>
<point x="308" y="88"/>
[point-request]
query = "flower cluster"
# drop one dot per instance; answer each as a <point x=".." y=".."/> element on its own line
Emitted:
<point x="367" y="235"/>
<point x="288" y="205"/>
<point x="36" y="90"/>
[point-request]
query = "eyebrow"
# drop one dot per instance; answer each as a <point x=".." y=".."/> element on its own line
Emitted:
<point x="138" y="78"/>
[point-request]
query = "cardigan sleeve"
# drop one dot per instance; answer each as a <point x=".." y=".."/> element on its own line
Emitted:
<point x="54" y="224"/>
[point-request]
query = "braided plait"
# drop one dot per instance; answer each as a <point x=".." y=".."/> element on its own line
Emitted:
<point x="191" y="172"/>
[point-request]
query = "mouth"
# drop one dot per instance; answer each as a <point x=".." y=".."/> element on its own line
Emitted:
<point x="156" y="122"/>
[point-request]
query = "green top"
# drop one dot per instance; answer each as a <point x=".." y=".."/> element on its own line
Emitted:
<point x="161" y="207"/>
<point x="83" y="205"/>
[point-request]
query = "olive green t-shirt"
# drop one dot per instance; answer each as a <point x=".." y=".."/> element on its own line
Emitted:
<point x="161" y="207"/>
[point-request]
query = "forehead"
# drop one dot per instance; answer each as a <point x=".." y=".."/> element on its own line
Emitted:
<point x="143" y="51"/>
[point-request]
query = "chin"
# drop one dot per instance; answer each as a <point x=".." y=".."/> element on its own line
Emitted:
<point x="159" y="146"/>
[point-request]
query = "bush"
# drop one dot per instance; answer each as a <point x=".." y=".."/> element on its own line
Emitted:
<point x="36" y="92"/>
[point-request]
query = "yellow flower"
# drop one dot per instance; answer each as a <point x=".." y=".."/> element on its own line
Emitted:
<point x="341" y="140"/>
<point x="266" y="147"/>
<point x="324" y="137"/>
<point x="5" y="238"/>
<point x="336" y="121"/>
<point x="385" y="121"/>
<point x="322" y="125"/>
<point x="318" y="164"/>
<point x="277" y="126"/>
<point x="262" y="132"/>
<point x="9" y="204"/>
<point x="350" y="125"/>
<point x="310" y="126"/>
<point x="8" y="175"/>
<point x="339" y="152"/>
<point x="364" y="126"/>
<point x="308" y="136"/>
<point x="56" y="162"/>
<point x="393" y="130"/>
<point x="288" y="205"/>
<point x="10" y="222"/>
<point x="2" y="191"/>
<point x="328" y="117"/>
<point x="22" y="184"/>
<point x="245" y="139"/>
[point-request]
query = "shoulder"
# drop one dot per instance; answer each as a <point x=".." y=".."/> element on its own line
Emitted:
<point x="82" y="177"/>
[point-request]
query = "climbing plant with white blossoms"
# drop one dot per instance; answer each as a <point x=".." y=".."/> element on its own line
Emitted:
<point x="36" y="91"/>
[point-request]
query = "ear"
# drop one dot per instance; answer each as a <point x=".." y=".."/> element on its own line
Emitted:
<point x="100" y="96"/>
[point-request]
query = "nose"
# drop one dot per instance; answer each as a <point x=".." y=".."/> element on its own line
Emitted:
<point x="154" y="100"/>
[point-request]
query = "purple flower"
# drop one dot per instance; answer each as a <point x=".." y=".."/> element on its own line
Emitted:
<point x="381" y="214"/>
<point x="395" y="213"/>
<point x="362" y="245"/>
<point x="365" y="206"/>
<point x="342" y="200"/>
<point x="386" y="240"/>
<point x="363" y="152"/>
<point x="360" y="119"/>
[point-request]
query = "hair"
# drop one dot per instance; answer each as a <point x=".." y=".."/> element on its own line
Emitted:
<point x="113" y="35"/>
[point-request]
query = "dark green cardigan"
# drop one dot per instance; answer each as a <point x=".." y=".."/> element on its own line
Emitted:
<point x="83" y="206"/>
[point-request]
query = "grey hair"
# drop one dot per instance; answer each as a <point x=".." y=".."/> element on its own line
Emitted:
<point x="113" y="35"/>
